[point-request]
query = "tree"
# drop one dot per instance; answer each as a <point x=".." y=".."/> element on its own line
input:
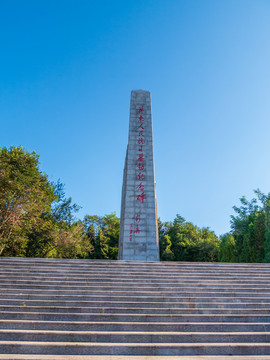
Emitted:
<point x="165" y="247"/>
<point x="227" y="248"/>
<point x="183" y="241"/>
<point x="103" y="234"/>
<point x="26" y="195"/>
<point x="36" y="219"/>
<point x="250" y="230"/>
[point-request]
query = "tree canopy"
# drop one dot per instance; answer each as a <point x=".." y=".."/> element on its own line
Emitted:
<point x="25" y="198"/>
<point x="37" y="220"/>
<point x="249" y="240"/>
<point x="35" y="217"/>
<point x="182" y="241"/>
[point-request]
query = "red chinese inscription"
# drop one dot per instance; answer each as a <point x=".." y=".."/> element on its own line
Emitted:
<point x="140" y="166"/>
<point x="140" y="187"/>
<point x="138" y="216"/>
<point x="141" y="197"/>
<point x="130" y="232"/>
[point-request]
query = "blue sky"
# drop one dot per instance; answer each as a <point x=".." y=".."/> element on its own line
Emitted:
<point x="66" y="72"/>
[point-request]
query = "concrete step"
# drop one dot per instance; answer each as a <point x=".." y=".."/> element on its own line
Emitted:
<point x="116" y="269"/>
<point x="125" y="275"/>
<point x="9" y="261"/>
<point x="134" y="337"/>
<point x="175" y="287"/>
<point x="60" y="296"/>
<point x="124" y="357"/>
<point x="134" y="326"/>
<point x="103" y="308"/>
<point x="193" y="274"/>
<point x="61" y="290"/>
<point x="153" y="349"/>
<point x="143" y="281"/>
<point x="248" y="318"/>
<point x="123" y="262"/>
<point x="92" y="282"/>
<point x="192" y="298"/>
<point x="111" y="280"/>
<point x="126" y="310"/>
<point x="204" y="303"/>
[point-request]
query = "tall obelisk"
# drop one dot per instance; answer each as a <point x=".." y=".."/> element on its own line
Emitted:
<point x="138" y="238"/>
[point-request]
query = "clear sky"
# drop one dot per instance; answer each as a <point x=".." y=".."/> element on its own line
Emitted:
<point x="66" y="72"/>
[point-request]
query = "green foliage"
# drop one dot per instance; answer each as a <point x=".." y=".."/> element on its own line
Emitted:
<point x="249" y="240"/>
<point x="37" y="220"/>
<point x="226" y="248"/>
<point x="103" y="234"/>
<point x="165" y="247"/>
<point x="35" y="217"/>
<point x="183" y="241"/>
<point x="25" y="198"/>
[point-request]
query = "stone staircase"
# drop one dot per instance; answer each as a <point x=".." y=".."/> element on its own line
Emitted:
<point x="93" y="309"/>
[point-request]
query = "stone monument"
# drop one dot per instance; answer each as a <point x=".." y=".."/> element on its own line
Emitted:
<point x="138" y="238"/>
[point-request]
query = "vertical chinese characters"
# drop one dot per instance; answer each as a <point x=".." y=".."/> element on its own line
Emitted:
<point x="130" y="232"/>
<point x="140" y="166"/>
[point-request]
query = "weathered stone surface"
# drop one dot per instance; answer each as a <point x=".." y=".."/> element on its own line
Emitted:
<point x="138" y="226"/>
<point x="63" y="309"/>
